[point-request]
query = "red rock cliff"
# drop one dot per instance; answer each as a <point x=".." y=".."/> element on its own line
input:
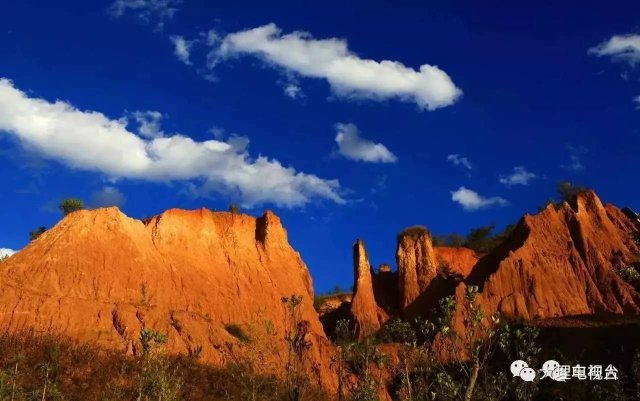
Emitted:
<point x="561" y="263"/>
<point x="100" y="276"/>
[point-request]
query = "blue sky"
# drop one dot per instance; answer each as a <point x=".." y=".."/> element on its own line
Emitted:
<point x="349" y="120"/>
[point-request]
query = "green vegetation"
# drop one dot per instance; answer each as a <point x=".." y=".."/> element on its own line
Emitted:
<point x="566" y="190"/>
<point x="480" y="239"/>
<point x="157" y="379"/>
<point x="296" y="378"/>
<point x="629" y="274"/>
<point x="414" y="232"/>
<point x="453" y="240"/>
<point x="237" y="332"/>
<point x="234" y="208"/>
<point x="33" y="235"/>
<point x="71" y="205"/>
<point x="36" y="367"/>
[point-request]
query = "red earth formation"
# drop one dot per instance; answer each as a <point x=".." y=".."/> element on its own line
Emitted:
<point x="558" y="263"/>
<point x="102" y="277"/>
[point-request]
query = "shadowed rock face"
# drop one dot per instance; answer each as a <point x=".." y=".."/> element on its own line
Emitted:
<point x="100" y="276"/>
<point x="561" y="263"/>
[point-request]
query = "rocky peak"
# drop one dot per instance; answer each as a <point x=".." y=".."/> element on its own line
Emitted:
<point x="364" y="308"/>
<point x="417" y="263"/>
<point x="561" y="263"/>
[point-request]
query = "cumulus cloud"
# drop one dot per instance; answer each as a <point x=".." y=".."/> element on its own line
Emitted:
<point x="107" y="196"/>
<point x="460" y="161"/>
<point x="519" y="176"/>
<point x="348" y="74"/>
<point x="620" y="47"/>
<point x="156" y="12"/>
<point x="89" y="140"/>
<point x="182" y="48"/>
<point x="148" y="123"/>
<point x="352" y="146"/>
<point x="471" y="200"/>
<point x="5" y="252"/>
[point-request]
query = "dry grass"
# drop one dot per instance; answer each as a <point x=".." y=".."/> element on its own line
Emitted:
<point x="86" y="373"/>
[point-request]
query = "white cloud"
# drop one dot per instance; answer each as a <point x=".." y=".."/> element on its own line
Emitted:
<point x="148" y="11"/>
<point x="148" y="123"/>
<point x="636" y="100"/>
<point x="575" y="159"/>
<point x="352" y="146"/>
<point x="293" y="91"/>
<point x="347" y="73"/>
<point x="520" y="176"/>
<point x="471" y="200"/>
<point x="107" y="196"/>
<point x="217" y="132"/>
<point x="460" y="161"/>
<point x="4" y="252"/>
<point x="89" y="140"/>
<point x="620" y="47"/>
<point x="182" y="48"/>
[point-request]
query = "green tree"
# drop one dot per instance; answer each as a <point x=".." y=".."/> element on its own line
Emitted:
<point x="234" y="208"/>
<point x="37" y="232"/>
<point x="567" y="191"/>
<point x="71" y="205"/>
<point x="156" y="381"/>
<point x="480" y="239"/>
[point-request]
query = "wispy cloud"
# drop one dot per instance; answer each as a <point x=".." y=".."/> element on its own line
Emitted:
<point x="90" y="141"/>
<point x="470" y="200"/>
<point x="152" y="12"/>
<point x="460" y="161"/>
<point x="331" y="59"/>
<point x="636" y="100"/>
<point x="352" y="146"/>
<point x="575" y="159"/>
<point x="519" y="176"/>
<point x="620" y="47"/>
<point x="107" y="196"/>
<point x="182" y="48"/>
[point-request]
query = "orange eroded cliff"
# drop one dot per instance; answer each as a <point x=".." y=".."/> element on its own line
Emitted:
<point x="101" y="276"/>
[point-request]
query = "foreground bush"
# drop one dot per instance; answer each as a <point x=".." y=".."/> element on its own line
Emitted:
<point x="45" y="367"/>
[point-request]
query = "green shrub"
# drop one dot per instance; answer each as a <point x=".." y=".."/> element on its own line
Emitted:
<point x="71" y="205"/>
<point x="629" y="274"/>
<point x="397" y="330"/>
<point x="33" y="235"/>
